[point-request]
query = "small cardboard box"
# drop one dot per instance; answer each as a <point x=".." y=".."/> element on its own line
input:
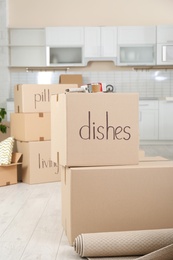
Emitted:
<point x="95" y="129"/>
<point x="36" y="97"/>
<point x="71" y="79"/>
<point x="30" y="126"/>
<point x="37" y="166"/>
<point x="117" y="198"/>
<point x="8" y="173"/>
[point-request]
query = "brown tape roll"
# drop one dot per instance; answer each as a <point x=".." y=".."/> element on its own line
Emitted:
<point x="95" y="88"/>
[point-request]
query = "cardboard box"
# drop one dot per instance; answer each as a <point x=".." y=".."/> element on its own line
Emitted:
<point x="7" y="134"/>
<point x="71" y="79"/>
<point x="141" y="154"/>
<point x="117" y="198"/>
<point x="95" y="129"/>
<point x="153" y="158"/>
<point x="8" y="173"/>
<point x="36" y="97"/>
<point x="37" y="166"/>
<point x="30" y="126"/>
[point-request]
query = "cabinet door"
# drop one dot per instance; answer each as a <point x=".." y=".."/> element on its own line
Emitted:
<point x="148" y="120"/>
<point x="27" y="47"/>
<point x="136" y="35"/>
<point x="27" y="56"/>
<point x="109" y="42"/>
<point x="26" y="37"/>
<point x="165" y="34"/>
<point x="92" y="42"/>
<point x="64" y="36"/>
<point x="165" y="45"/>
<point x="165" y="120"/>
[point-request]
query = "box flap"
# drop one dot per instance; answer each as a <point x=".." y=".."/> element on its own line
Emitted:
<point x="16" y="158"/>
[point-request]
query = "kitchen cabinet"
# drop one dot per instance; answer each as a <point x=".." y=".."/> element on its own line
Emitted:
<point x="165" y="120"/>
<point x="100" y="43"/>
<point x="27" y="47"/>
<point x="148" y="119"/>
<point x="136" y="45"/>
<point x="165" y="45"/>
<point x="64" y="36"/>
<point x="64" y="46"/>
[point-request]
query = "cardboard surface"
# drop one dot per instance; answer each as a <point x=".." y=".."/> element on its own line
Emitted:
<point x="71" y="79"/>
<point x="36" y="97"/>
<point x="117" y="198"/>
<point x="8" y="173"/>
<point x="95" y="129"/>
<point x="37" y="166"/>
<point x="30" y="126"/>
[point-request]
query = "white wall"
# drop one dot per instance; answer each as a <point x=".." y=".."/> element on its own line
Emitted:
<point x="42" y="13"/>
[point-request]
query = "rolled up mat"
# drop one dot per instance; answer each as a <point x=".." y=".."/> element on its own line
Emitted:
<point x="140" y="244"/>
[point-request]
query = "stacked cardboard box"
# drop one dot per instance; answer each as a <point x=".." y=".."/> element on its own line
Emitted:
<point x="30" y="126"/>
<point x="107" y="183"/>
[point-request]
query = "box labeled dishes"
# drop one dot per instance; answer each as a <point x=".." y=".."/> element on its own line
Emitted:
<point x="94" y="129"/>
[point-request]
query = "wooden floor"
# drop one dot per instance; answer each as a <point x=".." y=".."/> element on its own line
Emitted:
<point x="30" y="219"/>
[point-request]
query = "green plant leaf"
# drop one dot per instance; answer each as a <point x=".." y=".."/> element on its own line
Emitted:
<point x="3" y="129"/>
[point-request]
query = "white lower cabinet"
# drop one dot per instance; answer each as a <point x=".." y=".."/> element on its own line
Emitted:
<point x="148" y="120"/>
<point x="165" y="120"/>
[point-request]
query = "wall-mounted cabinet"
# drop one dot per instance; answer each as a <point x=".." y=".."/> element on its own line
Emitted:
<point x="64" y="56"/>
<point x="100" y="43"/>
<point x="165" y="45"/>
<point x="27" y="47"/>
<point x="64" y="46"/>
<point x="136" y="45"/>
<point x="64" y="36"/>
<point x="76" y="46"/>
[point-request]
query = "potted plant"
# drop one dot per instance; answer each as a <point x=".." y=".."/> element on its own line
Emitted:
<point x="3" y="127"/>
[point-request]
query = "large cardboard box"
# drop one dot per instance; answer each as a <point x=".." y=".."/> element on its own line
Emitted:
<point x="37" y="167"/>
<point x="36" y="97"/>
<point x="117" y="198"/>
<point x="71" y="79"/>
<point x="31" y="126"/>
<point x="95" y="129"/>
<point x="8" y="173"/>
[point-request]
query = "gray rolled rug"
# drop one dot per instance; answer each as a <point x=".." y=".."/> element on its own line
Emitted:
<point x="126" y="245"/>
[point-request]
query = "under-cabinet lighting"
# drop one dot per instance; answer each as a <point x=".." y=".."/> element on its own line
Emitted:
<point x="44" y="77"/>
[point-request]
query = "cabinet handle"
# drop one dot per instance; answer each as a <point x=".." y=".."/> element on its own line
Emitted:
<point x="164" y="53"/>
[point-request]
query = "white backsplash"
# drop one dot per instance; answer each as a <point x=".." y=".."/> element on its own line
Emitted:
<point x="148" y="83"/>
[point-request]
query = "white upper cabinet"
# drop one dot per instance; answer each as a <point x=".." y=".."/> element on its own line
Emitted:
<point x="136" y="45"/>
<point x="136" y="35"/>
<point x="64" y="46"/>
<point x="100" y="43"/>
<point x="165" y="34"/>
<point x="64" y="36"/>
<point x="27" y="47"/>
<point x="165" y="45"/>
